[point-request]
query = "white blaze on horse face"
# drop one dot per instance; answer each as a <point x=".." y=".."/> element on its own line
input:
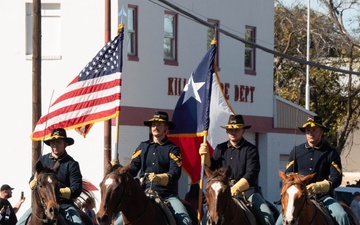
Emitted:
<point x="216" y="187"/>
<point x="291" y="191"/>
<point x="108" y="182"/>
<point x="49" y="180"/>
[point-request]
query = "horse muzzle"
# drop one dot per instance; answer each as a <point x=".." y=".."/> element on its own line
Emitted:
<point x="53" y="212"/>
<point x="290" y="222"/>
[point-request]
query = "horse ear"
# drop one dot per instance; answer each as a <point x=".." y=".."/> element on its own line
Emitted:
<point x="282" y="175"/>
<point x="207" y="170"/>
<point x="39" y="166"/>
<point x="108" y="167"/>
<point x="124" y="169"/>
<point x="228" y="171"/>
<point x="307" y="178"/>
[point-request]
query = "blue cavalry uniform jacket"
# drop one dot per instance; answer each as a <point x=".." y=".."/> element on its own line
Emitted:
<point x="243" y="160"/>
<point x="321" y="159"/>
<point x="164" y="157"/>
<point x="68" y="173"/>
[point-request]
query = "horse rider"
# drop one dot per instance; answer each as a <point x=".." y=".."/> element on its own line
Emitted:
<point x="243" y="158"/>
<point x="159" y="161"/>
<point x="69" y="175"/>
<point x="317" y="156"/>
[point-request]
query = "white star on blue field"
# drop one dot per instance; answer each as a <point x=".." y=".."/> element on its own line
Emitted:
<point x="191" y="90"/>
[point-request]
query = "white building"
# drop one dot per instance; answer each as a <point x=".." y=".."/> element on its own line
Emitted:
<point x="73" y="32"/>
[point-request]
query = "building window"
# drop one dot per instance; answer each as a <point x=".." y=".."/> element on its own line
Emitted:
<point x="250" y="56"/>
<point x="132" y="45"/>
<point x="50" y="30"/>
<point x="213" y="34"/>
<point x="170" y="38"/>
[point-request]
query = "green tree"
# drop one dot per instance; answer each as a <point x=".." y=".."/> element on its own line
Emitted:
<point x="333" y="96"/>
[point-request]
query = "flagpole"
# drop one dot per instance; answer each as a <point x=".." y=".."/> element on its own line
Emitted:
<point x="114" y="155"/>
<point x="107" y="123"/>
<point x="201" y="183"/>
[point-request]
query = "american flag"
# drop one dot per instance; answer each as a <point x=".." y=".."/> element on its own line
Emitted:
<point x="93" y="96"/>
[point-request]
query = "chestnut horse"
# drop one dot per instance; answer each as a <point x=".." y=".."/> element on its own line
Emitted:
<point x="121" y="192"/>
<point x="222" y="208"/>
<point x="45" y="202"/>
<point x="298" y="208"/>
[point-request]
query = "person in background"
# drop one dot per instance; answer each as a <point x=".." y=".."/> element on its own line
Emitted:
<point x="243" y="158"/>
<point x="317" y="156"/>
<point x="7" y="212"/>
<point x="158" y="161"/>
<point x="355" y="205"/>
<point x="69" y="175"/>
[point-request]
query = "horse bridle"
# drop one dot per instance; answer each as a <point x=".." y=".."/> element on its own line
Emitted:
<point x="225" y="182"/>
<point x="123" y="192"/>
<point x="302" y="185"/>
<point x="43" y="205"/>
<point x="122" y="197"/>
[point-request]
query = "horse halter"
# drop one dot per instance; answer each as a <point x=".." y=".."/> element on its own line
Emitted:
<point x="224" y="182"/>
<point x="121" y="197"/>
<point x="291" y="183"/>
<point x="42" y="202"/>
<point x="123" y="177"/>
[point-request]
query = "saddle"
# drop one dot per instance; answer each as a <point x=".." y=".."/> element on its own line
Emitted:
<point x="320" y="205"/>
<point x="162" y="204"/>
<point x="245" y="205"/>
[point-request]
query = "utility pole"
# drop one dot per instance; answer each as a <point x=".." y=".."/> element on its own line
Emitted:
<point x="107" y="123"/>
<point x="36" y="77"/>
<point x="307" y="86"/>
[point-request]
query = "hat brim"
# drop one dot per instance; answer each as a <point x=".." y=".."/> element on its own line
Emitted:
<point x="312" y="124"/>
<point x="236" y="126"/>
<point x="170" y="124"/>
<point x="68" y="140"/>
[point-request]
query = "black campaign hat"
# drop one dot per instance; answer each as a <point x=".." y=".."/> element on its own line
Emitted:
<point x="160" y="117"/>
<point x="59" y="133"/>
<point x="6" y="187"/>
<point x="313" y="121"/>
<point x="235" y="122"/>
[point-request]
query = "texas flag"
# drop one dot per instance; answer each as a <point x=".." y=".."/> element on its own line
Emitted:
<point x="198" y="114"/>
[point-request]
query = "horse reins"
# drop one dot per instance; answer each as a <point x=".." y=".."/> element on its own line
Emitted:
<point x="226" y="182"/>
<point x="123" y="192"/>
<point x="122" y="198"/>
<point x="47" y="220"/>
<point x="140" y="217"/>
<point x="306" y="200"/>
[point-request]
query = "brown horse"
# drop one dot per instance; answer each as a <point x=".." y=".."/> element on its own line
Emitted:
<point x="121" y="192"/>
<point x="45" y="197"/>
<point x="222" y="208"/>
<point x="45" y="202"/>
<point x="298" y="208"/>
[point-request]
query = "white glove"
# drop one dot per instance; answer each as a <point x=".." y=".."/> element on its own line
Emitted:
<point x="239" y="186"/>
<point x="161" y="179"/>
<point x="204" y="151"/>
<point x="65" y="193"/>
<point x="318" y="187"/>
<point x="32" y="183"/>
